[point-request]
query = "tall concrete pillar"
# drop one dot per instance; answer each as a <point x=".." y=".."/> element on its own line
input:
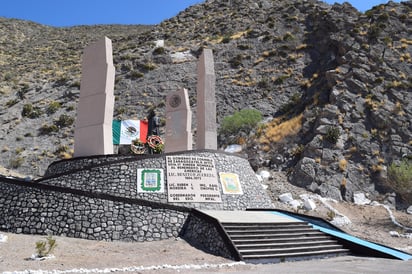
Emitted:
<point x="178" y="122"/>
<point x="93" y="130"/>
<point x="206" y="102"/>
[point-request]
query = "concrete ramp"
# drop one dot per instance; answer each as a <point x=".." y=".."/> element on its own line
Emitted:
<point x="356" y="245"/>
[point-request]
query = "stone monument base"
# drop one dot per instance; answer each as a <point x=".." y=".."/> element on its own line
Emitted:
<point x="127" y="197"/>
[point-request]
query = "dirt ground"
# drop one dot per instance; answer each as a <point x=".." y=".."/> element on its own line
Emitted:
<point x="72" y="253"/>
<point x="175" y="255"/>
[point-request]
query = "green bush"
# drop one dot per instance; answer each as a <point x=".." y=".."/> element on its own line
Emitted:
<point x="400" y="179"/>
<point x="44" y="248"/>
<point x="245" y="119"/>
<point x="236" y="61"/>
<point x="159" y="50"/>
<point x="332" y="134"/>
<point x="226" y="39"/>
<point x="136" y="74"/>
<point x="64" y="121"/>
<point x="149" y="66"/>
<point x="11" y="102"/>
<point x="53" y="107"/>
<point x="30" y="111"/>
<point x="46" y="129"/>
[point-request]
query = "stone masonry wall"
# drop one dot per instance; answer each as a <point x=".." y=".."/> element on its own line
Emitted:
<point x="33" y="209"/>
<point x="118" y="176"/>
<point x="97" y="198"/>
<point x="204" y="234"/>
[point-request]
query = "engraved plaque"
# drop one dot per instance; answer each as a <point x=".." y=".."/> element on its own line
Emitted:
<point x="192" y="179"/>
<point x="175" y="101"/>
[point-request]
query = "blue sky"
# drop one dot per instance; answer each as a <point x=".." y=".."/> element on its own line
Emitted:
<point x="62" y="13"/>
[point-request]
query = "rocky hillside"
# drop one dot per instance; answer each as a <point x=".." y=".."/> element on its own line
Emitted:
<point x="334" y="86"/>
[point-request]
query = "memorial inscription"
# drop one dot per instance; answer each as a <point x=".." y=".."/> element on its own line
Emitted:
<point x="192" y="179"/>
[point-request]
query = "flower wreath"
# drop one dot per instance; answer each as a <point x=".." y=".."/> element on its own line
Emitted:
<point x="137" y="147"/>
<point x="156" y="143"/>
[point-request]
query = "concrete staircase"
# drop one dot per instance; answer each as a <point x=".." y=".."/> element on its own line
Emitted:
<point x="281" y="241"/>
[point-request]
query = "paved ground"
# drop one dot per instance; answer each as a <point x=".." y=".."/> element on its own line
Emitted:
<point x="248" y="217"/>
<point x="346" y="264"/>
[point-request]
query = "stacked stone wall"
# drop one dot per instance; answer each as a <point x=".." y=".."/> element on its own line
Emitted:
<point x="31" y="208"/>
<point x="97" y="198"/>
<point x="117" y="176"/>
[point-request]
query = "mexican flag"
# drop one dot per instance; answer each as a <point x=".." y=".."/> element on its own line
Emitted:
<point x="126" y="131"/>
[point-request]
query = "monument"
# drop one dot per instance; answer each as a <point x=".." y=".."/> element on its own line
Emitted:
<point x="93" y="130"/>
<point x="206" y="104"/>
<point x="178" y="122"/>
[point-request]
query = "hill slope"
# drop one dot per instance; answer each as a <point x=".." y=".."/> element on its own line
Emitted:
<point x="333" y="84"/>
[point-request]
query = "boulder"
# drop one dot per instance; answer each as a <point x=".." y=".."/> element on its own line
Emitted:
<point x="3" y="238"/>
<point x="309" y="204"/>
<point x="295" y="204"/>
<point x="233" y="148"/>
<point x="340" y="221"/>
<point x="286" y="197"/>
<point x="305" y="172"/>
<point x="264" y="174"/>
<point x="359" y="198"/>
<point x="409" y="210"/>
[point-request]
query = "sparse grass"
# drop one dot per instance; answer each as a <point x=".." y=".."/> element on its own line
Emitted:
<point x="53" y="107"/>
<point x="343" y="164"/>
<point x="64" y="121"/>
<point x="236" y="61"/>
<point x="298" y="150"/>
<point x="377" y="168"/>
<point x="44" y="248"/>
<point x="47" y="129"/>
<point x="301" y="46"/>
<point x="149" y="66"/>
<point x="16" y="162"/>
<point x="246" y="83"/>
<point x="397" y="109"/>
<point x="331" y="215"/>
<point x="288" y="36"/>
<point x="31" y="111"/>
<point x="134" y="74"/>
<point x="159" y="50"/>
<point x="277" y="130"/>
<point x="12" y="102"/>
<point x="19" y="150"/>
<point x="281" y="79"/>
<point x="294" y="100"/>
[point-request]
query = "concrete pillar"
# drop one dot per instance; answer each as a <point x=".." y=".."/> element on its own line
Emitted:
<point x="206" y="102"/>
<point x="93" y="130"/>
<point x="178" y="122"/>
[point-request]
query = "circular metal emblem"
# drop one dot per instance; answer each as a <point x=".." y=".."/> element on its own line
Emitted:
<point x="175" y="101"/>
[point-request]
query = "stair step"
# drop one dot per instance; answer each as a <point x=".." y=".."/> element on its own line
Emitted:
<point x="263" y="224"/>
<point x="289" y="250"/>
<point x="271" y="231"/>
<point x="266" y="225"/>
<point x="283" y="240"/>
<point x="298" y="254"/>
<point x="275" y="242"/>
<point x="274" y="236"/>
<point x="285" y="245"/>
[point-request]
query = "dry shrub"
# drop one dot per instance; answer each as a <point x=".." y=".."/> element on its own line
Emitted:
<point x="276" y="131"/>
<point x="343" y="164"/>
